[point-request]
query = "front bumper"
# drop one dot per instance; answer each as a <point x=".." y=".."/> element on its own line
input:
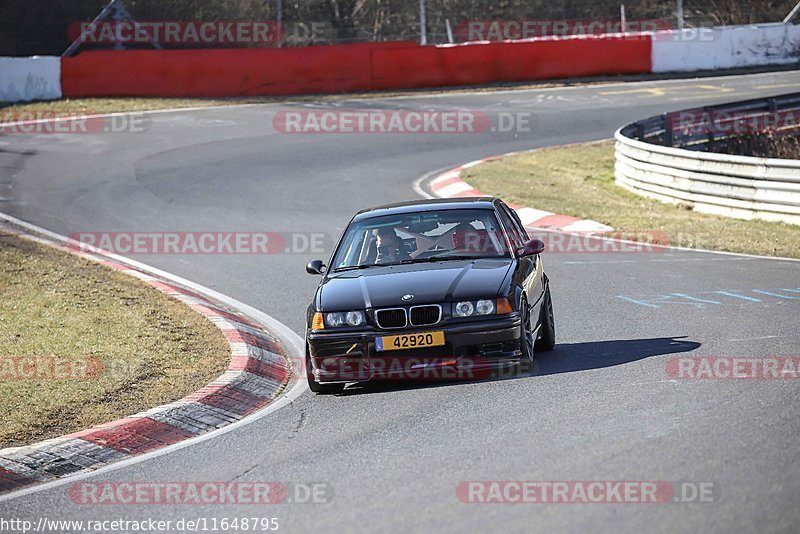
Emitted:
<point x="473" y="350"/>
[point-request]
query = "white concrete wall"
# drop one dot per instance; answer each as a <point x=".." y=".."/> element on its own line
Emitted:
<point x="23" y="79"/>
<point x="725" y="47"/>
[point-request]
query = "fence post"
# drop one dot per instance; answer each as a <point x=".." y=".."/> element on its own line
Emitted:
<point x="622" y="22"/>
<point x="279" y="24"/>
<point x="423" y="32"/>
<point x="449" y="31"/>
<point x="792" y="13"/>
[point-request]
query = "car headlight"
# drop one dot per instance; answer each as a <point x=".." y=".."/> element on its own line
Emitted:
<point x="469" y="308"/>
<point x="484" y="307"/>
<point x="463" y="309"/>
<point x="334" y="319"/>
<point x="339" y="319"/>
<point x="355" y="318"/>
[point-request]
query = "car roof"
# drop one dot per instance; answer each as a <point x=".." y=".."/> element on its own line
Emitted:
<point x="415" y="206"/>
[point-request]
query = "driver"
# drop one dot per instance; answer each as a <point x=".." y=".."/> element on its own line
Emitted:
<point x="389" y="246"/>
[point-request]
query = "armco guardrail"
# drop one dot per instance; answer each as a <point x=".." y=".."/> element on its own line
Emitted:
<point x="664" y="158"/>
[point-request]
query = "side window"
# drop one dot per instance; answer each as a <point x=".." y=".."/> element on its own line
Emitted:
<point x="511" y="227"/>
<point x="520" y="226"/>
<point x="516" y="227"/>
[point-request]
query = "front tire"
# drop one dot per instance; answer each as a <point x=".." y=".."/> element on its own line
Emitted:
<point x="526" y="341"/>
<point x="547" y="323"/>
<point x="316" y="387"/>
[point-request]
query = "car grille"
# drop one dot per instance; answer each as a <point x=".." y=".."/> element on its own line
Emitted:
<point x="392" y="318"/>
<point x="425" y="315"/>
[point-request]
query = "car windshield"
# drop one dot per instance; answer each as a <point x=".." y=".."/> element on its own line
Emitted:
<point x="424" y="236"/>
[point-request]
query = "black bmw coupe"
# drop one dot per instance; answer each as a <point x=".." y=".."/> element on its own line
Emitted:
<point x="437" y="289"/>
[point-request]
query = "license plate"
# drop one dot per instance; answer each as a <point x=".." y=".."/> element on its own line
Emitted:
<point x="409" y="341"/>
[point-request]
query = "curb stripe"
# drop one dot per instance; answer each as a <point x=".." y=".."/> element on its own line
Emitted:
<point x="10" y="480"/>
<point x="554" y="221"/>
<point x="469" y="193"/>
<point x="235" y="401"/>
<point x="260" y="368"/>
<point x="530" y="215"/>
<point x="138" y="436"/>
<point x="252" y="340"/>
<point x="449" y="184"/>
<point x="587" y="226"/>
<point x="455" y="188"/>
<point x="257" y="373"/>
<point x="443" y="181"/>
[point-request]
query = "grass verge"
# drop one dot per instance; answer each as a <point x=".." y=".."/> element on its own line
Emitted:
<point x="58" y="312"/>
<point x="95" y="106"/>
<point x="578" y="180"/>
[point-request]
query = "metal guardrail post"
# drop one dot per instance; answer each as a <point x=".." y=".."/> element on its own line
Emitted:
<point x="772" y="105"/>
<point x="710" y="137"/>
<point x="668" y="133"/>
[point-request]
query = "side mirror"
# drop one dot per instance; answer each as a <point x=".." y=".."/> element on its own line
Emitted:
<point x="533" y="247"/>
<point x="316" y="267"/>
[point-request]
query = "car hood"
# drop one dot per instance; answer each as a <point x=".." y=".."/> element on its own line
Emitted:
<point x="380" y="287"/>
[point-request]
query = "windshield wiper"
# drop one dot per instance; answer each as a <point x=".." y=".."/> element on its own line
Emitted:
<point x="403" y="262"/>
<point x="351" y="268"/>
<point x="441" y="258"/>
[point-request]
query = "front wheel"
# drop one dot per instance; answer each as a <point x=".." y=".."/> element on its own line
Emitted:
<point x="547" y="323"/>
<point x="316" y="387"/>
<point x="526" y="341"/>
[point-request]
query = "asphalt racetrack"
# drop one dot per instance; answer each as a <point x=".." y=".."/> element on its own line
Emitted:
<point x="602" y="406"/>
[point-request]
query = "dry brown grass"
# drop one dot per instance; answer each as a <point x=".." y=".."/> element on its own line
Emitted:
<point x="578" y="180"/>
<point x="56" y="307"/>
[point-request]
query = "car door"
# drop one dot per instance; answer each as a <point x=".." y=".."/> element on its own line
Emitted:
<point x="528" y="273"/>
